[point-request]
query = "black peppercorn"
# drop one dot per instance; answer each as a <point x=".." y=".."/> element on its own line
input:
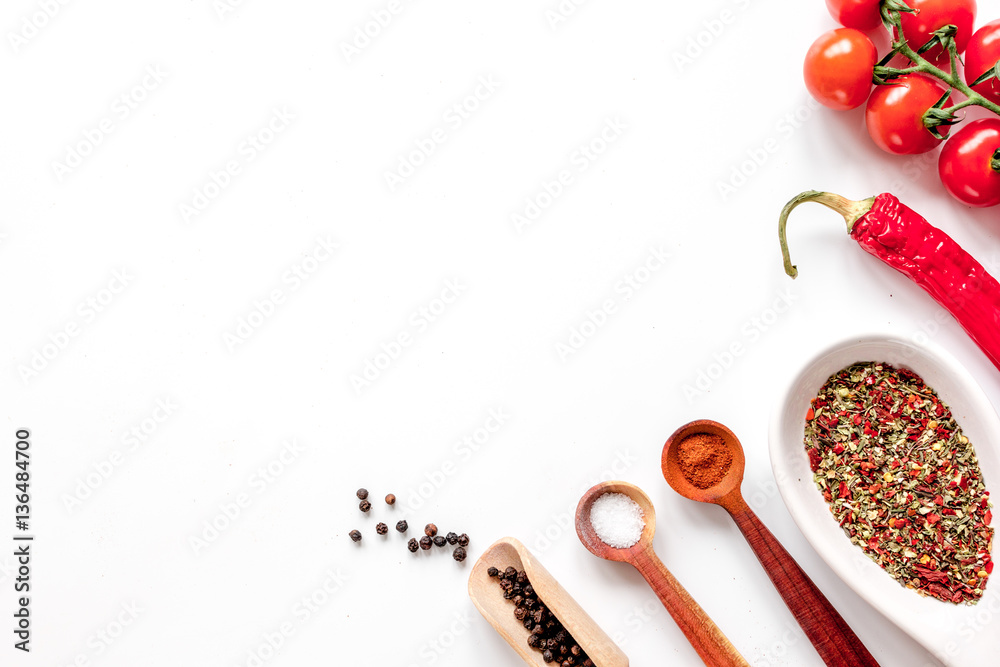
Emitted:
<point x="459" y="554"/>
<point x="390" y="499"/>
<point x="364" y="506"/>
<point x="463" y="540"/>
<point x="452" y="538"/>
<point x="533" y="641"/>
<point x="547" y="656"/>
<point x="412" y="546"/>
<point x="492" y="571"/>
<point x="509" y="573"/>
<point x="430" y="530"/>
<point x="356" y="535"/>
<point x="401" y="526"/>
<point x="439" y="540"/>
<point x="381" y="528"/>
<point x="425" y="543"/>
<point x="362" y="494"/>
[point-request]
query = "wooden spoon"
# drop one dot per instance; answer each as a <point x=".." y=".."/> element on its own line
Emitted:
<point x="705" y="636"/>
<point x="826" y="629"/>
<point x="487" y="595"/>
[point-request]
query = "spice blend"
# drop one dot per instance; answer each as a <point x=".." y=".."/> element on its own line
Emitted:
<point x="704" y="458"/>
<point x="548" y="636"/>
<point x="902" y="480"/>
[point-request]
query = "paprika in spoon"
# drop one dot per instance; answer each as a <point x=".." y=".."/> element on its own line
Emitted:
<point x="904" y="240"/>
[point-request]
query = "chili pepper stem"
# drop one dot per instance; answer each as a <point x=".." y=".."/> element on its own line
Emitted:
<point x="995" y="161"/>
<point x="851" y="210"/>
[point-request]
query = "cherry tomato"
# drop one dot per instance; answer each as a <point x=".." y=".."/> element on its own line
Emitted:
<point x="894" y="115"/>
<point x="838" y="68"/>
<point x="857" y="14"/>
<point x="965" y="163"/>
<point x="982" y="53"/>
<point x="933" y="14"/>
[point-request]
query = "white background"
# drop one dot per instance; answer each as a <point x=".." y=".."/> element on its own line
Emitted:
<point x="686" y="126"/>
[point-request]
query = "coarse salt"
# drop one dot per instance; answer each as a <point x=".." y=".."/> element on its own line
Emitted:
<point x="617" y="520"/>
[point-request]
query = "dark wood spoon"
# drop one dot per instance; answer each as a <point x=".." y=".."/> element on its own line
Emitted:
<point x="705" y="636"/>
<point x="834" y="640"/>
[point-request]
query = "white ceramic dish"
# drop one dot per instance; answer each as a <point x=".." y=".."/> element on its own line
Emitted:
<point x="956" y="634"/>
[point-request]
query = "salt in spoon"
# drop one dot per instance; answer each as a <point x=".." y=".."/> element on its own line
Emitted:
<point x="705" y="636"/>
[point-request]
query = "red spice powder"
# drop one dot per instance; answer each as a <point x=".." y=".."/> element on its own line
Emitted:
<point x="704" y="459"/>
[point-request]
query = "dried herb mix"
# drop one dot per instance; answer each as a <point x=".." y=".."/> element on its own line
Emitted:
<point x="902" y="480"/>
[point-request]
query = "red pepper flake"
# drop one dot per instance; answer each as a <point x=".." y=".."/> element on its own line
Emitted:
<point x="810" y="414"/>
<point x="896" y="489"/>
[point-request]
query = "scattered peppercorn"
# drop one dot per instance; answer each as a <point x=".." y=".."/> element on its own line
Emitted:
<point x="401" y="526"/>
<point x="548" y="636"/>
<point x="362" y="494"/>
<point x="439" y="540"/>
<point x="412" y="545"/>
<point x="425" y="543"/>
<point x="355" y="535"/>
<point x="430" y="530"/>
<point x="452" y="538"/>
<point x="381" y="528"/>
<point x="364" y="506"/>
<point x="463" y="540"/>
<point x="459" y="554"/>
<point x="390" y="499"/>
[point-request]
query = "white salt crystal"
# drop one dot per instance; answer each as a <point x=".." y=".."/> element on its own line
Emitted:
<point x="617" y="520"/>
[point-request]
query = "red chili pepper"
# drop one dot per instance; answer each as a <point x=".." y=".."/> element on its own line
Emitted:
<point x="908" y="243"/>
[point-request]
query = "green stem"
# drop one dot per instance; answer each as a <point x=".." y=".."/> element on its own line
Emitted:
<point x="920" y="64"/>
<point x="995" y="161"/>
<point x="961" y="105"/>
<point x="851" y="210"/>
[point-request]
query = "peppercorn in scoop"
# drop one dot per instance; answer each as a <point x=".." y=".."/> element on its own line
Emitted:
<point x="548" y="636"/>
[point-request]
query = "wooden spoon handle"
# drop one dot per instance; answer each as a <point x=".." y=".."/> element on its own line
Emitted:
<point x="705" y="636"/>
<point x="834" y="640"/>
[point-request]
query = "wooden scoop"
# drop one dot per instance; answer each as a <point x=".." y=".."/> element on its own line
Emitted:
<point x="705" y="636"/>
<point x="487" y="595"/>
<point x="834" y="640"/>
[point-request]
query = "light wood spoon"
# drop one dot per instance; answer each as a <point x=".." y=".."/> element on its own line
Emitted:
<point x="705" y="636"/>
<point x="834" y="640"/>
<point x="487" y="595"/>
